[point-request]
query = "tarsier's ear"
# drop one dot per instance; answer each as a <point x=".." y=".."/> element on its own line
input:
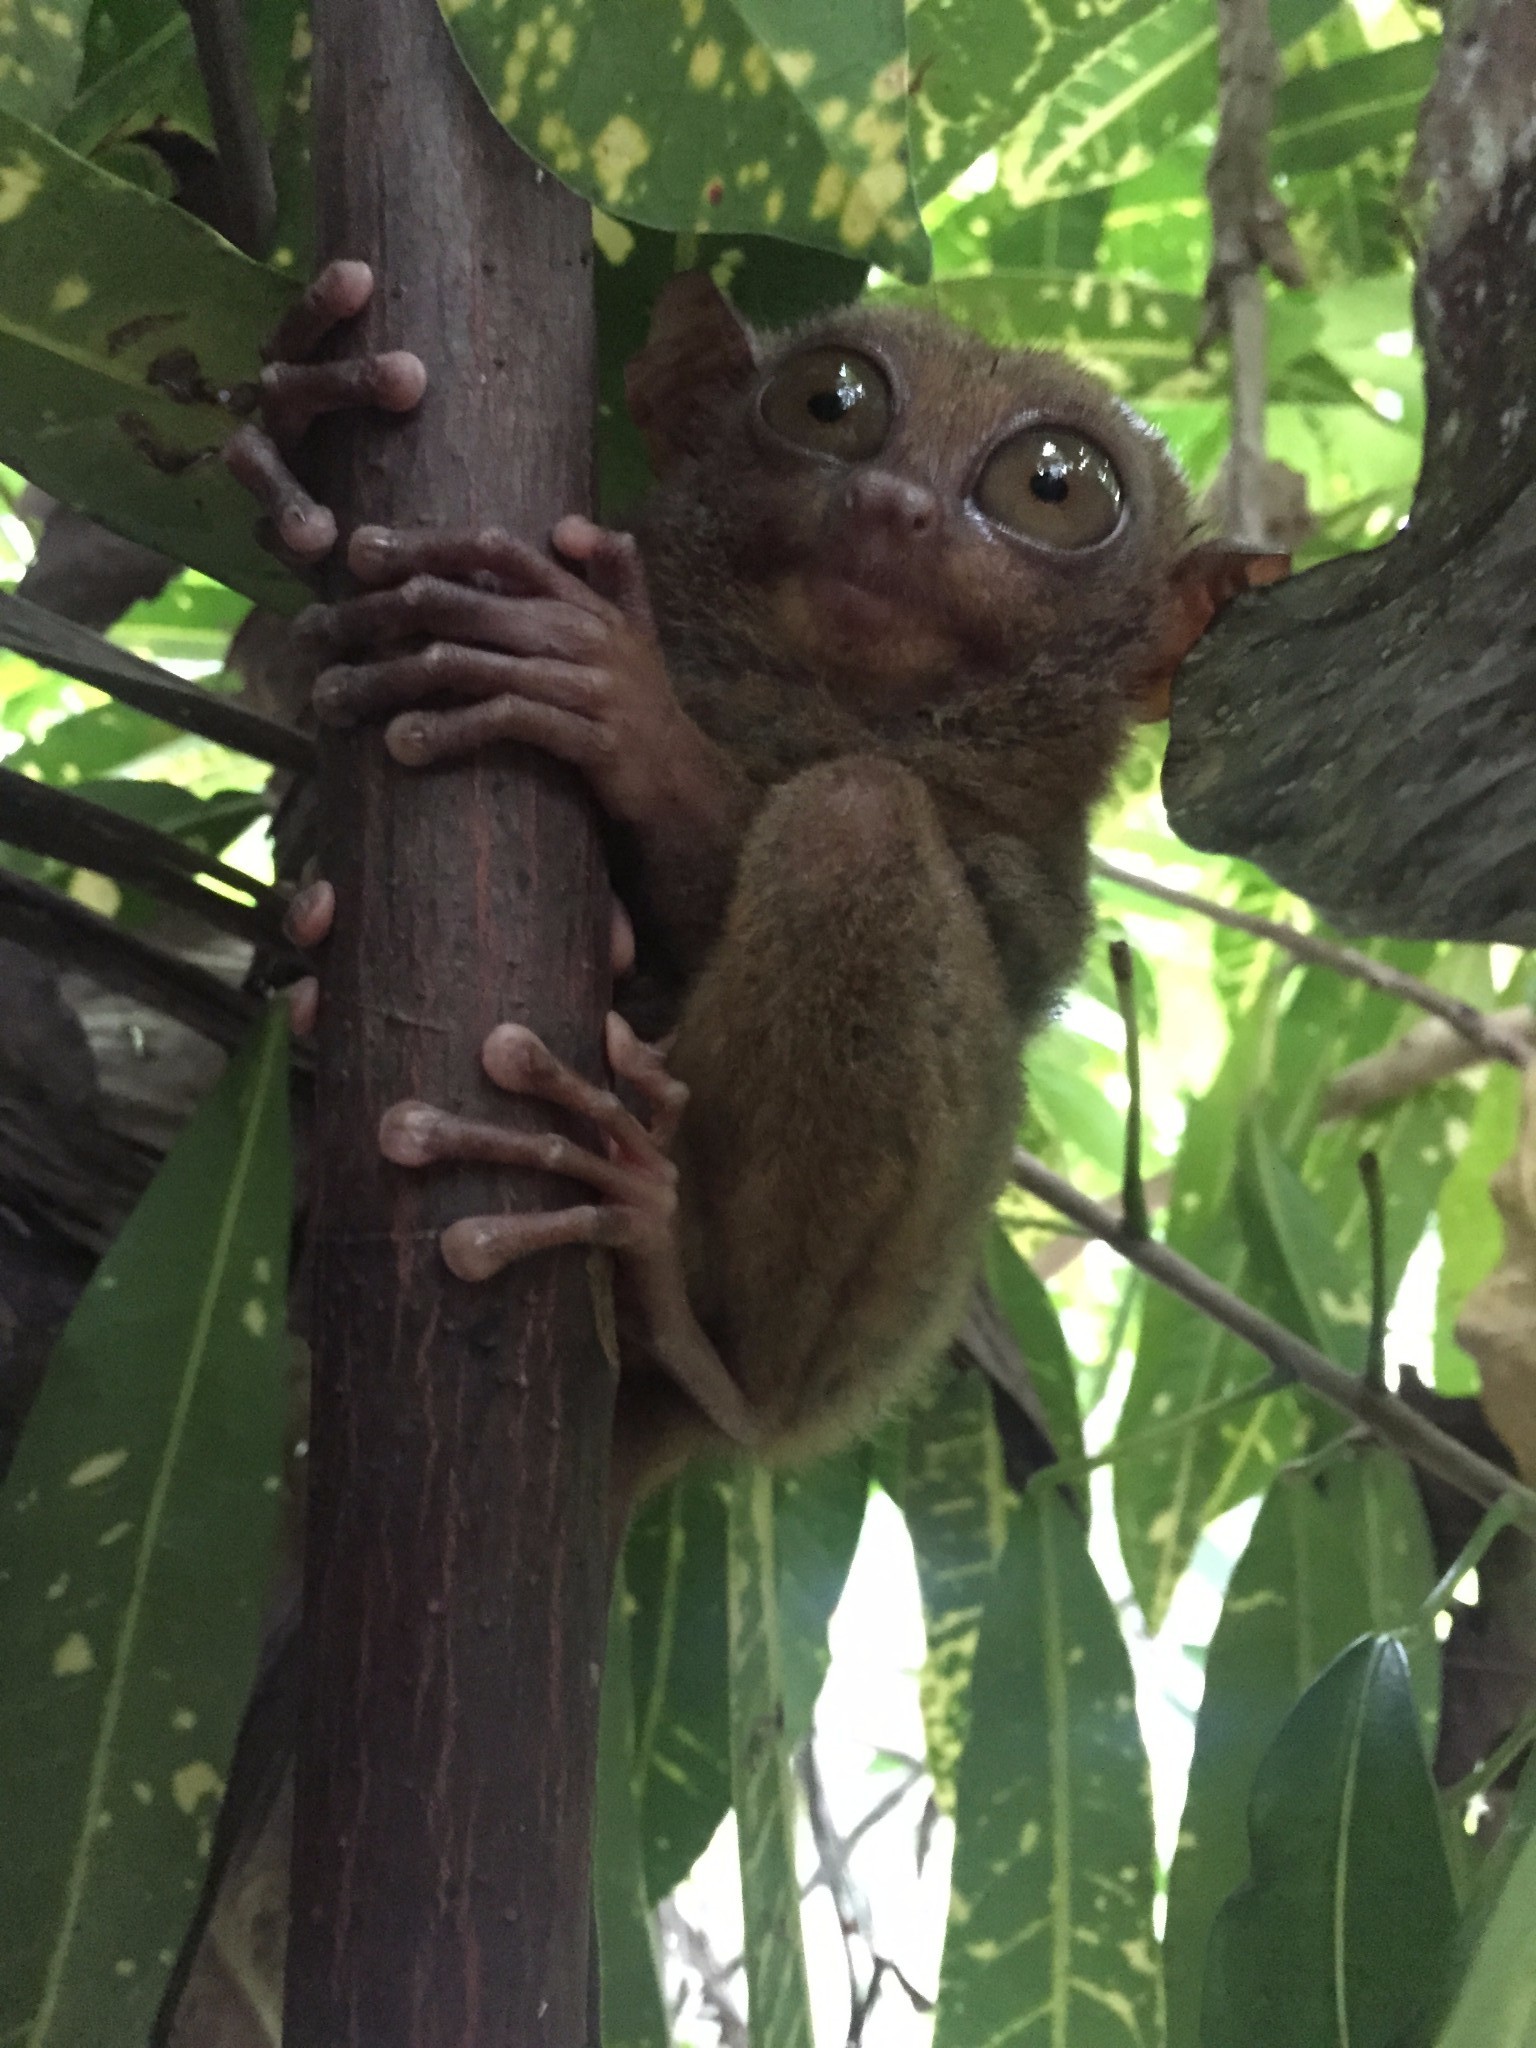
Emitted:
<point x="1206" y="579"/>
<point x="698" y="347"/>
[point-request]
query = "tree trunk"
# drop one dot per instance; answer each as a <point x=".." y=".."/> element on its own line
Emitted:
<point x="455" y="1582"/>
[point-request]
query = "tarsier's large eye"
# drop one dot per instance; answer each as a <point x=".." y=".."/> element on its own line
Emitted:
<point x="830" y="400"/>
<point x="1052" y="486"/>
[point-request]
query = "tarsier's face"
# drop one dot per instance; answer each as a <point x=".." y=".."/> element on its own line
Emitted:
<point x="924" y="504"/>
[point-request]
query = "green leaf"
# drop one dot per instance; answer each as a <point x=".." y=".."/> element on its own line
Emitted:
<point x="1050" y="1920"/>
<point x="632" y="2009"/>
<point x="761" y="1788"/>
<point x="91" y="743"/>
<point x="1471" y="1230"/>
<point x="41" y="49"/>
<point x="1326" y="117"/>
<point x="121" y="320"/>
<point x="1335" y="1553"/>
<point x="781" y="117"/>
<point x="818" y="1514"/>
<point x="674" y="1567"/>
<point x="1296" y="1272"/>
<point x="1337" y="1937"/>
<point x="1489" y="2000"/>
<point x="955" y="1498"/>
<point x="1031" y="1315"/>
<point x="136" y="1531"/>
<point x="157" y="81"/>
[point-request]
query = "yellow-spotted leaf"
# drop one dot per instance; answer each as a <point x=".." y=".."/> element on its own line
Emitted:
<point x="136" y="1530"/>
<point x="1050" y="1924"/>
<point x="714" y="116"/>
<point x="40" y="52"/>
<point x="128" y="345"/>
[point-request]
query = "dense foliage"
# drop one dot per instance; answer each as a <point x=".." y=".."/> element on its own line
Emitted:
<point x="1037" y="171"/>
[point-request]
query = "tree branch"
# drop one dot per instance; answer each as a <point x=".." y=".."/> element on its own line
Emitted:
<point x="1493" y="1038"/>
<point x="1392" y="1421"/>
<point x="245" y="164"/>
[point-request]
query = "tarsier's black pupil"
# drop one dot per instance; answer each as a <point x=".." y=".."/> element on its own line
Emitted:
<point x="829" y="406"/>
<point x="1051" y="482"/>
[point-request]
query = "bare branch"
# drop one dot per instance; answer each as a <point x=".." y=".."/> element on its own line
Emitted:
<point x="1392" y="1421"/>
<point x="1492" y="1037"/>
<point x="1429" y="1051"/>
<point x="245" y="164"/>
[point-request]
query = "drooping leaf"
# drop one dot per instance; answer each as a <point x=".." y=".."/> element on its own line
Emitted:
<point x="761" y="1787"/>
<point x="1031" y="1315"/>
<point x="135" y="1538"/>
<point x="955" y="1498"/>
<point x="1337" y="1938"/>
<point x="127" y="332"/>
<point x="41" y="48"/>
<point x="1296" y="1272"/>
<point x="632" y="2009"/>
<point x="818" y="1513"/>
<point x="674" y="1565"/>
<point x="1335" y="1554"/>
<point x="727" y="116"/>
<point x="1050" y="1926"/>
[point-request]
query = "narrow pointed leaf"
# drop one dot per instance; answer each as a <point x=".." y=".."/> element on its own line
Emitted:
<point x="1338" y="1937"/>
<point x="1031" y="1315"/>
<point x="955" y="1498"/>
<point x="633" y="2013"/>
<point x="818" y="1513"/>
<point x="761" y="1787"/>
<point x="125" y="326"/>
<point x="136" y="1530"/>
<point x="1298" y="1274"/>
<point x="1335" y="1554"/>
<point x="1050" y="1925"/>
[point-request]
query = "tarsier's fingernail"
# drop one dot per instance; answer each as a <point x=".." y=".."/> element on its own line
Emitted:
<point x="409" y="1133"/>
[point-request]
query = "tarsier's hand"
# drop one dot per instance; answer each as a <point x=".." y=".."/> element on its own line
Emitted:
<point x="548" y="659"/>
<point x="296" y="390"/>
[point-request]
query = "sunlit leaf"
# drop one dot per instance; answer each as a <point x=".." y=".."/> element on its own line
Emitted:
<point x="818" y="1513"/>
<point x="1470" y="1230"/>
<point x="1334" y="1554"/>
<point x="724" y="116"/>
<point x="1337" y="1937"/>
<point x="1031" y="1315"/>
<point x="135" y="1537"/>
<point x="761" y="1787"/>
<point x="1050" y="1924"/>
<point x="955" y="1498"/>
<point x="122" y="321"/>
<point x="632" y="2009"/>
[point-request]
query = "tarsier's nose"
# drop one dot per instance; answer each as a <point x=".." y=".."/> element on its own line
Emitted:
<point x="878" y="498"/>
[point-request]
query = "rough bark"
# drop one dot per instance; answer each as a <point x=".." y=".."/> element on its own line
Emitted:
<point x="455" y="1588"/>
<point x="1365" y="731"/>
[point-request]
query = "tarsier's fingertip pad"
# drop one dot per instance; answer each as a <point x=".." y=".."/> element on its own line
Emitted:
<point x="399" y="380"/>
<point x="472" y="1249"/>
<point x="370" y="550"/>
<point x="408" y="740"/>
<point x="310" y="914"/>
<point x="409" y="1133"/>
<point x="346" y="285"/>
<point x="513" y="1055"/>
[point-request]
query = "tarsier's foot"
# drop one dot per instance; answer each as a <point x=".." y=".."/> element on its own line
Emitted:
<point x="633" y="1177"/>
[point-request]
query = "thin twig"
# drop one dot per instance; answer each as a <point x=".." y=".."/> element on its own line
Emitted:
<point x="1493" y="1766"/>
<point x="713" y="1975"/>
<point x="1376" y="1218"/>
<point x="886" y="1804"/>
<point x="1133" y="1195"/>
<point x="245" y="163"/>
<point x="1390" y="1420"/>
<point x="1493" y="1039"/>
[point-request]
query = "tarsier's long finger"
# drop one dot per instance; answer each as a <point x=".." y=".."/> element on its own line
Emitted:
<point x="518" y="1060"/>
<point x="306" y="529"/>
<point x="293" y="395"/>
<point x="416" y="1134"/>
<point x="339" y="292"/>
<point x="614" y="568"/>
<point x="644" y="1068"/>
<point x="419" y="738"/>
<point x="621" y="941"/>
<point x="480" y="1246"/>
<point x="352" y="692"/>
<point x="311" y="915"/>
<point x="303" y="1006"/>
<point x="432" y="608"/>
<point x="383" y="554"/>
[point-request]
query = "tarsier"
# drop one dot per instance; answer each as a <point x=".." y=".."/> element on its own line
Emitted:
<point x="847" y="694"/>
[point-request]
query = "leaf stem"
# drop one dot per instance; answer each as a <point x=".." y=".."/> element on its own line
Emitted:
<point x="1133" y="1194"/>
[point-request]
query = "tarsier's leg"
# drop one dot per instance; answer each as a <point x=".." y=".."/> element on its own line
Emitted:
<point x="852" y="1070"/>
